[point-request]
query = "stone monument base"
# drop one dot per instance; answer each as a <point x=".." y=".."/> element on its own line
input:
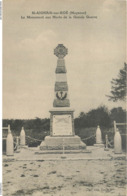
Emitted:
<point x="99" y="145"/>
<point x="62" y="143"/>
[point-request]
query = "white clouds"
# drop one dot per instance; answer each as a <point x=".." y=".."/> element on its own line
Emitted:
<point x="43" y="40"/>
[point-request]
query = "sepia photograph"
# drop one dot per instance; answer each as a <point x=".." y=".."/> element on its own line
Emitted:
<point x="64" y="98"/>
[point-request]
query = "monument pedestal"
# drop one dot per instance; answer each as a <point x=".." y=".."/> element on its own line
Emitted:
<point x="58" y="143"/>
<point x="62" y="133"/>
<point x="61" y="122"/>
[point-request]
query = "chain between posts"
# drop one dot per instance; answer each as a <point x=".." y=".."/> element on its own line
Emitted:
<point x="109" y="143"/>
<point x="34" y="138"/>
<point x="89" y="137"/>
<point x="82" y="139"/>
<point x="16" y="146"/>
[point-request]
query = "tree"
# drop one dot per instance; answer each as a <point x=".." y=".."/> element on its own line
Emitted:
<point x="99" y="116"/>
<point x="82" y="114"/>
<point x="118" y="89"/>
<point x="118" y="114"/>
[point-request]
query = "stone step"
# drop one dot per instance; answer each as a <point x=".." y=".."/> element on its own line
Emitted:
<point x="61" y="152"/>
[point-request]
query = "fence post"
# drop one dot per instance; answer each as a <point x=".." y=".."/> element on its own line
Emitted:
<point x="98" y="136"/>
<point x="9" y="143"/>
<point x="99" y="142"/>
<point x="22" y="137"/>
<point x="8" y="128"/>
<point x="106" y="145"/>
<point x="115" y="129"/>
<point x="117" y="143"/>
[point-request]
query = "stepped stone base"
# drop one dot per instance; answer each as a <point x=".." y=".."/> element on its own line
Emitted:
<point x="60" y="143"/>
<point x="61" y="151"/>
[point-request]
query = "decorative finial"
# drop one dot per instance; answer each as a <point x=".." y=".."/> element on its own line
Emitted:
<point x="60" y="51"/>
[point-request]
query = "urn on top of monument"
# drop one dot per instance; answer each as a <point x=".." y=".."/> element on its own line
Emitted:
<point x="61" y="86"/>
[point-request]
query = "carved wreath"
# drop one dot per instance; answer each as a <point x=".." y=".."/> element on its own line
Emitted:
<point x="61" y="95"/>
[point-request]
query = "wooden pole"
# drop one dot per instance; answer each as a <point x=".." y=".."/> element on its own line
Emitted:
<point x="114" y="126"/>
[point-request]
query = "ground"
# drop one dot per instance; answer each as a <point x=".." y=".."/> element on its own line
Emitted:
<point x="97" y="174"/>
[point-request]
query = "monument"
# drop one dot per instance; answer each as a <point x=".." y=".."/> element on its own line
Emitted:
<point x="61" y="116"/>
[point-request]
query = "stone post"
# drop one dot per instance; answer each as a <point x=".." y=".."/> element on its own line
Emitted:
<point x="117" y="143"/>
<point x="106" y="138"/>
<point x="17" y="140"/>
<point x="9" y="143"/>
<point x="106" y="146"/>
<point x="22" y="137"/>
<point x="99" y="142"/>
<point x="98" y="136"/>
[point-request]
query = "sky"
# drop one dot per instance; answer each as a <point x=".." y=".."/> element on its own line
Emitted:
<point x="96" y="53"/>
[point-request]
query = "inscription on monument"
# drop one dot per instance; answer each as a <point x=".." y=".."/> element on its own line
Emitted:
<point x="62" y="125"/>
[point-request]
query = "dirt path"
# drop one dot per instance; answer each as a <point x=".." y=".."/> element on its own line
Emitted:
<point x="60" y="178"/>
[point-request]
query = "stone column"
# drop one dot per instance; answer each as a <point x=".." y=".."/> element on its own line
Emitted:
<point x="117" y="143"/>
<point x="9" y="144"/>
<point x="22" y="137"/>
<point x="61" y="87"/>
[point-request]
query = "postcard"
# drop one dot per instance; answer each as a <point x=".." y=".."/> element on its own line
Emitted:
<point x="64" y="97"/>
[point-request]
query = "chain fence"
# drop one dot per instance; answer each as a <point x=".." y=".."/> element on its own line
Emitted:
<point x="89" y="137"/>
<point x="17" y="145"/>
<point x="84" y="139"/>
<point x="33" y="138"/>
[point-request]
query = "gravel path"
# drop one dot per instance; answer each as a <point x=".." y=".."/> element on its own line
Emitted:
<point x="68" y="177"/>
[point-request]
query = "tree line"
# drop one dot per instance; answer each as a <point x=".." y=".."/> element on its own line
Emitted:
<point x="99" y="116"/>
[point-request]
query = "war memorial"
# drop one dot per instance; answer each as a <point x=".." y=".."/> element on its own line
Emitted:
<point x="62" y="164"/>
<point x="62" y="115"/>
<point x="62" y="138"/>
